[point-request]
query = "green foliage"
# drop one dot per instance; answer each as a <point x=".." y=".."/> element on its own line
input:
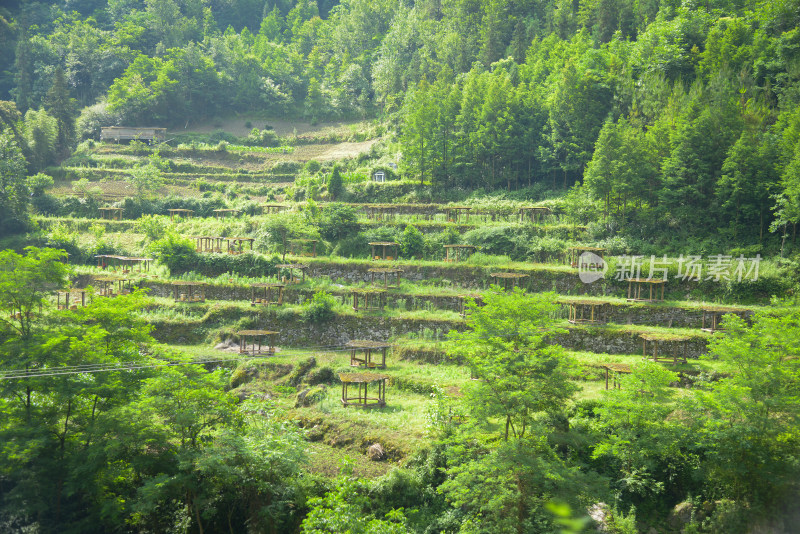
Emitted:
<point x="73" y="416"/>
<point x="507" y="345"/>
<point x="38" y="183"/>
<point x="13" y="189"/>
<point x="258" y="463"/>
<point x="498" y="239"/>
<point x="319" y="309"/>
<point x="637" y="433"/>
<point x="338" y="222"/>
<point x="176" y="252"/>
<point x="335" y="183"/>
<point x="25" y="281"/>
<point x="439" y="415"/>
<point x="253" y="265"/>
<point x="313" y="166"/>
<point x="546" y="249"/>
<point x="276" y="232"/>
<point x="681" y="121"/>
<point x="62" y="107"/>
<point x="520" y="475"/>
<point x="42" y="134"/>
<point x="262" y="138"/>
<point x="146" y="179"/>
<point x="154" y="227"/>
<point x="754" y="405"/>
<point x="343" y="510"/>
<point x="412" y="242"/>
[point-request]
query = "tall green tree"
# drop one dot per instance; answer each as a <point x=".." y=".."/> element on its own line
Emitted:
<point x="521" y="387"/>
<point x="700" y="143"/>
<point x="13" y="189"/>
<point x="417" y="133"/>
<point x="42" y="135"/>
<point x="637" y="437"/>
<point x="335" y="183"/>
<point x="623" y="169"/>
<point x="508" y="346"/>
<point x="750" y="176"/>
<point x="747" y="424"/>
<point x="62" y="107"/>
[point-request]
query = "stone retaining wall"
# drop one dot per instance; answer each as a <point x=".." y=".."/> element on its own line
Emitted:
<point x="342" y="329"/>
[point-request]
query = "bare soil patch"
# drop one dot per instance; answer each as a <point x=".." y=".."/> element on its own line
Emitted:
<point x="329" y="152"/>
<point x="236" y="126"/>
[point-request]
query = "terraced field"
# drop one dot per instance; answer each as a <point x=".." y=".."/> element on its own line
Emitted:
<point x="603" y="329"/>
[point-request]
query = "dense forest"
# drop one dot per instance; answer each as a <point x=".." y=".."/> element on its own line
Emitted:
<point x="681" y="118"/>
<point x="644" y="127"/>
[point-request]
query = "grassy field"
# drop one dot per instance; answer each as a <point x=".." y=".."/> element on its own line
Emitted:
<point x="241" y="174"/>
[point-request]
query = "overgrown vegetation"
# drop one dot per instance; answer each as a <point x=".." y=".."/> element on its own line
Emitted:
<point x="664" y="133"/>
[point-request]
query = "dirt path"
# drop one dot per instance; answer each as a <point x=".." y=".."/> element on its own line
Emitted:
<point x="282" y="127"/>
<point x="332" y="151"/>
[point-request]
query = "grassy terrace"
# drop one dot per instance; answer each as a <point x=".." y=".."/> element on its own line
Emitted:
<point x="432" y="289"/>
<point x="247" y="226"/>
<point x="418" y="312"/>
<point x="402" y="424"/>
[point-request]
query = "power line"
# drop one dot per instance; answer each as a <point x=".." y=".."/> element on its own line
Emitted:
<point x="16" y="374"/>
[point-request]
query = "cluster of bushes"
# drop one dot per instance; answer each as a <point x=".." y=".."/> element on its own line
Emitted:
<point x="180" y="256"/>
<point x="65" y="238"/>
<point x="266" y="138"/>
<point x="88" y="206"/>
<point x="319" y="309"/>
<point x="374" y="192"/>
<point x="243" y="264"/>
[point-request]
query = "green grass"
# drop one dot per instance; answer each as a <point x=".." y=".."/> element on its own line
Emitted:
<point x="401" y="426"/>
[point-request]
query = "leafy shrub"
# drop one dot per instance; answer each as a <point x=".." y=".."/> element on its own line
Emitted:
<point x="45" y="204"/>
<point x="412" y="242"/>
<point x="38" y="183"/>
<point x="319" y="309"/>
<point x="265" y="138"/>
<point x="546" y="249"/>
<point x="78" y="207"/>
<point x="92" y="119"/>
<point x="499" y="239"/>
<point x="339" y="222"/>
<point x="286" y="167"/>
<point x="221" y="135"/>
<point x="335" y="183"/>
<point x="176" y="252"/>
<point x="138" y="148"/>
<point x="352" y="247"/>
<point x="434" y="242"/>
<point x="375" y="192"/>
<point x="487" y="260"/>
<point x="313" y="166"/>
<point x="62" y="238"/>
<point x="247" y="264"/>
<point x="203" y="207"/>
<point x="382" y="233"/>
<point x="154" y="227"/>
